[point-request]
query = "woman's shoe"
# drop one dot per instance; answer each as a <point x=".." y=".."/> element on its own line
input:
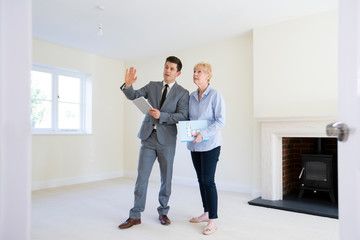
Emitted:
<point x="198" y="220"/>
<point x="209" y="230"/>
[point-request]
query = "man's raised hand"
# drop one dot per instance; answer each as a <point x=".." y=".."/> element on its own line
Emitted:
<point x="130" y="77"/>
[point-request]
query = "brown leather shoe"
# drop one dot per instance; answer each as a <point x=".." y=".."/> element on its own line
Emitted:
<point x="129" y="223"/>
<point x="164" y="220"/>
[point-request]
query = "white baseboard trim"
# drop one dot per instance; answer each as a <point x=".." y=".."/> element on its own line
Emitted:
<point x="130" y="174"/>
<point x="38" y="185"/>
<point x="234" y="187"/>
<point x="221" y="185"/>
<point x="256" y="193"/>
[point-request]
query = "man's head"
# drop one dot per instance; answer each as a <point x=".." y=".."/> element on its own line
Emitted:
<point x="172" y="69"/>
<point x="175" y="60"/>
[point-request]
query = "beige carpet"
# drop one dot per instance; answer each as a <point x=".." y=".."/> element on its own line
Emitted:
<point x="94" y="210"/>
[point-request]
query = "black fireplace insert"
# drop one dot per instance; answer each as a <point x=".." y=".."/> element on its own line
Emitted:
<point x="317" y="174"/>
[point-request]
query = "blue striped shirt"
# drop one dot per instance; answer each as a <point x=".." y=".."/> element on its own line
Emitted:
<point x="211" y="108"/>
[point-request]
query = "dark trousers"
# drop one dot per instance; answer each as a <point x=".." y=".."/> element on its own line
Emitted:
<point x="205" y="167"/>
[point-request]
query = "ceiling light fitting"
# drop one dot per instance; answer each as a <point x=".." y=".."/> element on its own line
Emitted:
<point x="100" y="26"/>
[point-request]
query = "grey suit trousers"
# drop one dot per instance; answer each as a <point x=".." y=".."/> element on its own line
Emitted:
<point x="149" y="151"/>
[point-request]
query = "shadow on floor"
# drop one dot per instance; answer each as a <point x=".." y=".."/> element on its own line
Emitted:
<point x="318" y="204"/>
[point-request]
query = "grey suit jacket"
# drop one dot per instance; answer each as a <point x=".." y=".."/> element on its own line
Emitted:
<point x="174" y="109"/>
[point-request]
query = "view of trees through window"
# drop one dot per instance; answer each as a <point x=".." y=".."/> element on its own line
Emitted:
<point x="41" y="96"/>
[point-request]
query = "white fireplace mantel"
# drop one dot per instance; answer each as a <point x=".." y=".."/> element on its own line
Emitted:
<point x="272" y="132"/>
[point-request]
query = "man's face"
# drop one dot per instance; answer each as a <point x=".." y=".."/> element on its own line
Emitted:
<point x="170" y="72"/>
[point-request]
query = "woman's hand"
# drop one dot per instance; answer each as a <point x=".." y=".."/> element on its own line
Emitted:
<point x="198" y="138"/>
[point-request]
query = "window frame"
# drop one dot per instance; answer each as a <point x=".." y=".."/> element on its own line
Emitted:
<point x="85" y="100"/>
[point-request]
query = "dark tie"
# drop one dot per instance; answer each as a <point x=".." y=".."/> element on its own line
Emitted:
<point x="163" y="95"/>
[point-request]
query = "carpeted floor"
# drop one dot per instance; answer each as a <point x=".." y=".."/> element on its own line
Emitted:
<point x="93" y="211"/>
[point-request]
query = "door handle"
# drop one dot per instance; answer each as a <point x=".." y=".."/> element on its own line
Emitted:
<point x="339" y="130"/>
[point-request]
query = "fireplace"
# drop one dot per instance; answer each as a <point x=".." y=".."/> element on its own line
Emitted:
<point x="280" y="161"/>
<point x="272" y="133"/>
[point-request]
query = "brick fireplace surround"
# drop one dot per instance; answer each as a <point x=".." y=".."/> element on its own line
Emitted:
<point x="272" y="133"/>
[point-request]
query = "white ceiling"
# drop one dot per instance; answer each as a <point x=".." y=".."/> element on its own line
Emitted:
<point x="141" y="28"/>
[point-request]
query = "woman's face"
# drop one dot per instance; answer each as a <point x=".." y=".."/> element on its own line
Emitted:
<point x="200" y="77"/>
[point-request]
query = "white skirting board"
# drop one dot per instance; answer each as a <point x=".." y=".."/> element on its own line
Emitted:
<point x="223" y="186"/>
<point x="38" y="185"/>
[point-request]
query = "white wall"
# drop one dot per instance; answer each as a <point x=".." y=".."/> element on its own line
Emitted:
<point x="295" y="73"/>
<point x="66" y="159"/>
<point x="232" y="75"/>
<point x="295" y="68"/>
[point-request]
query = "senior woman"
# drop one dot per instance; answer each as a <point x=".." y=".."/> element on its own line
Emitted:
<point x="206" y="103"/>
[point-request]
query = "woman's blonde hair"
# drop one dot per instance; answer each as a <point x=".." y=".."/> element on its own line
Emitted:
<point x="206" y="67"/>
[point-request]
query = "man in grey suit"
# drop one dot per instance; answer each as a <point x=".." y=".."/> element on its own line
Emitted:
<point x="158" y="132"/>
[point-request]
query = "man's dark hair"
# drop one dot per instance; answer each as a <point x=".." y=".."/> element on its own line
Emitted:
<point x="175" y="60"/>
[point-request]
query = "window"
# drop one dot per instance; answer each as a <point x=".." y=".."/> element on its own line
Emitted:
<point x="60" y="100"/>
